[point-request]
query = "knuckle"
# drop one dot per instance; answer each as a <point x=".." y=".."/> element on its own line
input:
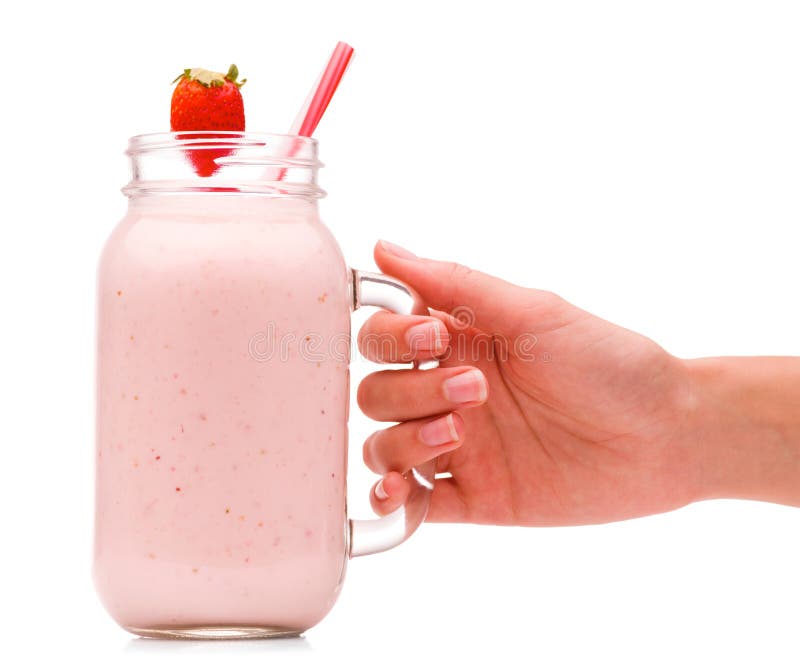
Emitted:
<point x="363" y="332"/>
<point x="366" y="349"/>
<point x="364" y="395"/>
<point x="372" y="323"/>
<point x="378" y="346"/>
<point x="371" y="454"/>
<point x="367" y="453"/>
<point x="548" y="298"/>
<point x="456" y="271"/>
<point x="366" y="343"/>
<point x="375" y="396"/>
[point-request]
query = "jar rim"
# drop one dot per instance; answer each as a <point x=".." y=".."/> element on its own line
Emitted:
<point x="140" y="143"/>
<point x="223" y="161"/>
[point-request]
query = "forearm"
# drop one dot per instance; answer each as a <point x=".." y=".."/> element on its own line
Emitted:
<point x="746" y="427"/>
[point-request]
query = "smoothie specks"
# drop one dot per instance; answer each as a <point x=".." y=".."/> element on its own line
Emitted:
<point x="195" y="570"/>
<point x="261" y="523"/>
<point x="119" y="293"/>
<point x="177" y="489"/>
<point x="263" y="452"/>
<point x="151" y="556"/>
<point x="323" y="298"/>
<point x="136" y="397"/>
<point x="184" y="391"/>
<point x="227" y="509"/>
<point x="202" y="416"/>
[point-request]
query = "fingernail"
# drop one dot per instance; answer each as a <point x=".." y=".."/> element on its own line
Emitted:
<point x="380" y="493"/>
<point x="440" y="431"/>
<point x="426" y="336"/>
<point x="469" y="386"/>
<point x="397" y="251"/>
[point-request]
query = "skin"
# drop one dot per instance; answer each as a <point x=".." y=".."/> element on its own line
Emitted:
<point x="577" y="420"/>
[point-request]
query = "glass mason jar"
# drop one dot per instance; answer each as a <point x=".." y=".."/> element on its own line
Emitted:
<point x="222" y="394"/>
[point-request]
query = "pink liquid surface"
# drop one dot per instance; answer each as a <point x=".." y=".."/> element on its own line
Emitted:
<point x="220" y="471"/>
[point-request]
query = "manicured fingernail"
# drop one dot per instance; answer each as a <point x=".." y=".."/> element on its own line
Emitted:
<point x="438" y="432"/>
<point x="380" y="493"/>
<point x="397" y="251"/>
<point x="426" y="336"/>
<point x="469" y="386"/>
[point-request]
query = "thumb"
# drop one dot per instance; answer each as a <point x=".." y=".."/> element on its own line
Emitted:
<point x="488" y="303"/>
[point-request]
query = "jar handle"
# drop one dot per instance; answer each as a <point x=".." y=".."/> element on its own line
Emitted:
<point x="379" y="534"/>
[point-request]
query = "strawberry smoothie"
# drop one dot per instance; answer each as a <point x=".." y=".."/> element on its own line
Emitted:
<point x="223" y="341"/>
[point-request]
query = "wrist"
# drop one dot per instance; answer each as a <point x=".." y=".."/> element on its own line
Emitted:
<point x="745" y="428"/>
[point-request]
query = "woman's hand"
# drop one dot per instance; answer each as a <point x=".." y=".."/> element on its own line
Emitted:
<point x="542" y="413"/>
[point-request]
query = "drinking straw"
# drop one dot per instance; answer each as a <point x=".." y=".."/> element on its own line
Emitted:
<point x="311" y="112"/>
<point x="317" y="101"/>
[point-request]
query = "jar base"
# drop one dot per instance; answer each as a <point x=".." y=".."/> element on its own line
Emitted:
<point x="214" y="632"/>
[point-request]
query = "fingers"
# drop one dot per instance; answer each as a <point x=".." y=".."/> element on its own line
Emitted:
<point x="400" y="395"/>
<point x="403" y="446"/>
<point x="447" y="504"/>
<point x="393" y="338"/>
<point x="389" y="493"/>
<point x="489" y="303"/>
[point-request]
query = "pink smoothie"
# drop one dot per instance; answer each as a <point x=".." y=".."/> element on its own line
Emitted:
<point x="223" y="331"/>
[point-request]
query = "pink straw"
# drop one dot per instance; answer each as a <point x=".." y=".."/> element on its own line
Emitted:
<point x="322" y="92"/>
<point x="317" y="101"/>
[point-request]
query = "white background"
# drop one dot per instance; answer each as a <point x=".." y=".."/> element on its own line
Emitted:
<point x="640" y="158"/>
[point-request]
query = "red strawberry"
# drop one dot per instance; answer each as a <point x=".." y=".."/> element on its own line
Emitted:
<point x="202" y="101"/>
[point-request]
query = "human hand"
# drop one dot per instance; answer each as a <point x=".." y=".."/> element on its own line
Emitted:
<point x="553" y="416"/>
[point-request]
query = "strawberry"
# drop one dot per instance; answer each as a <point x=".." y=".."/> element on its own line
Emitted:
<point x="203" y="101"/>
